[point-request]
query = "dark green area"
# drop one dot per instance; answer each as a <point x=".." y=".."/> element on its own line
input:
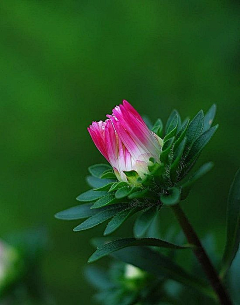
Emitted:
<point x="67" y="63"/>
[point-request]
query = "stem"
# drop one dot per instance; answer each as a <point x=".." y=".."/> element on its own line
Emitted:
<point x="202" y="256"/>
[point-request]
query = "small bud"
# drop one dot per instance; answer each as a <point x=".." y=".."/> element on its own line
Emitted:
<point x="126" y="142"/>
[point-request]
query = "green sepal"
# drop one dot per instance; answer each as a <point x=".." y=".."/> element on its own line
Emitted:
<point x="91" y="195"/>
<point x="117" y="185"/>
<point x="172" y="197"/>
<point x="123" y="192"/>
<point x="132" y="177"/>
<point x="97" y="170"/>
<point x="108" y="174"/>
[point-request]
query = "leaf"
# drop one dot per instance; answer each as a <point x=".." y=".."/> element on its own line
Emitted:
<point x="108" y="174"/>
<point x="117" y="185"/>
<point x="209" y="117"/>
<point x="161" y="266"/>
<point x="139" y="194"/>
<point x="233" y="224"/>
<point x="144" y="221"/>
<point x="98" y="169"/>
<point x="195" y="128"/>
<point x="91" y="195"/>
<point x="123" y="192"/>
<point x="199" y="144"/>
<point x="158" y="127"/>
<point x="118" y="244"/>
<point x="172" y="198"/>
<point x="99" y="218"/>
<point x="98" y="182"/>
<point x="104" y="187"/>
<point x="118" y="220"/>
<point x="166" y="149"/>
<point x="77" y="212"/>
<point x="171" y="117"/>
<point x="173" y="124"/>
<point x="103" y="201"/>
<point x="177" y="158"/>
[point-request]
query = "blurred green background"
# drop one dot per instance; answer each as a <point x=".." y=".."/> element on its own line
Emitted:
<point x="67" y="63"/>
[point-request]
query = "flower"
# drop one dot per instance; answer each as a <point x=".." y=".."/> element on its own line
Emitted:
<point x="125" y="141"/>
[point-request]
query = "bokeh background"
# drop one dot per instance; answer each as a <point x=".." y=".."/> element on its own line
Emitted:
<point x="64" y="64"/>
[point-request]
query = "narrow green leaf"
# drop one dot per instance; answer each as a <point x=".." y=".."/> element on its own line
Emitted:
<point x="139" y="194"/>
<point x="105" y="187"/>
<point x="117" y="185"/>
<point x="166" y="150"/>
<point x="103" y="201"/>
<point x="123" y="192"/>
<point x="98" y="169"/>
<point x="173" y="196"/>
<point x="118" y="244"/>
<point x="161" y="266"/>
<point x="171" y="117"/>
<point x="181" y="135"/>
<point x="199" y="144"/>
<point x="195" y="128"/>
<point x="144" y="221"/>
<point x="118" y="220"/>
<point x="158" y="127"/>
<point x="209" y="117"/>
<point x="108" y="174"/>
<point x="99" y="218"/>
<point x="95" y="182"/>
<point x="233" y="224"/>
<point x="91" y="195"/>
<point x="77" y="212"/>
<point x="177" y="158"/>
<point x="173" y="125"/>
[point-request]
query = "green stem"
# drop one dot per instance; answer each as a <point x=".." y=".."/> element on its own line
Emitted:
<point x="202" y="256"/>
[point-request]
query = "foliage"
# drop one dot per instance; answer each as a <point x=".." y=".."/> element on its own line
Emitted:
<point x="165" y="184"/>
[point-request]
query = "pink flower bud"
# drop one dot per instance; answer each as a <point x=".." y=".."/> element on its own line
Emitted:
<point x="125" y="141"/>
